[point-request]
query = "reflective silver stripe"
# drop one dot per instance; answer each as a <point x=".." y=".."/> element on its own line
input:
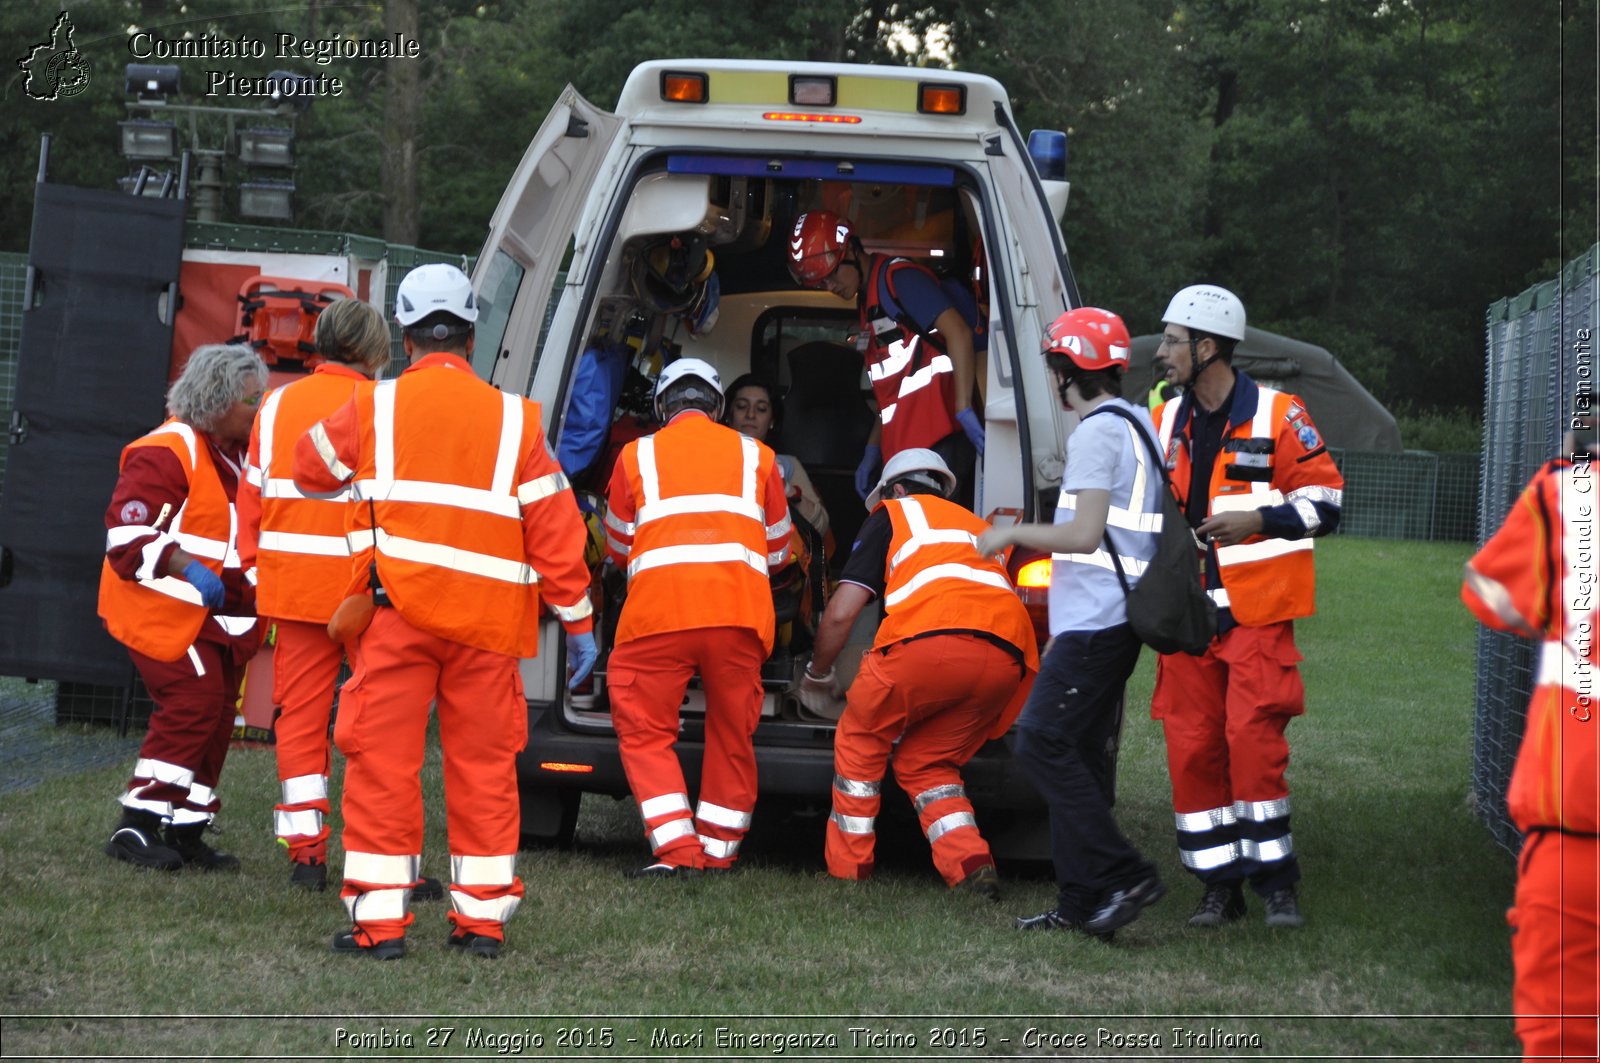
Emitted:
<point x="304" y="823"/>
<point x="149" y="557"/>
<point x="622" y="527"/>
<point x="652" y="807"/>
<point x="681" y="505"/>
<point x="194" y="659"/>
<point x="1211" y="819"/>
<point x="188" y="817"/>
<point x="719" y="848"/>
<point x="776" y="559"/>
<point x="499" y="909"/>
<point x="856" y="787"/>
<point x="671" y="831"/>
<point x="536" y="490"/>
<point x="1219" y="597"/>
<point x="506" y="465"/>
<point x="970" y="573"/>
<point x="720" y="816"/>
<point x="124" y="534"/>
<point x="235" y="625"/>
<point x="319" y="441"/>
<point x="1247" y="501"/>
<point x="376" y="904"/>
<point x="852" y="824"/>
<point x="570" y="613"/>
<point x="616" y="546"/>
<point x="163" y="772"/>
<point x="483" y="870"/>
<point x="937" y="366"/>
<point x="1251" y="461"/>
<point x="1310" y="519"/>
<point x="896" y="356"/>
<point x="305" y="788"/>
<point x="1559" y="666"/>
<point x="382" y="869"/>
<point x="1261" y="425"/>
<point x="1132" y="567"/>
<point x="383" y="430"/>
<point x="283" y="488"/>
<point x="183" y="432"/>
<point x="1209" y="859"/>
<point x="1117" y="516"/>
<point x="1261" y="811"/>
<point x="649" y="478"/>
<point x="431" y="493"/>
<point x="266" y="423"/>
<point x="1331" y="496"/>
<point x="301" y="543"/>
<point x="450" y="557"/>
<point x="1267" y="851"/>
<point x="1498" y="599"/>
<point x="938" y="793"/>
<point x="710" y="553"/>
<point x="201" y="794"/>
<point x="1245" y="553"/>
<point x="945" y="824"/>
<point x="780" y="529"/>
<point x="200" y="545"/>
<point x="132" y="800"/>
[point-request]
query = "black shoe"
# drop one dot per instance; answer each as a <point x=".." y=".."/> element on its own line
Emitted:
<point x="392" y="949"/>
<point x="137" y="841"/>
<point x="429" y="889"/>
<point x="195" y="852"/>
<point x="662" y="871"/>
<point x="310" y="876"/>
<point x="1283" y="908"/>
<point x="983" y="882"/>
<point x="1124" y="906"/>
<point x="481" y="945"/>
<point x="1054" y="920"/>
<point x="1221" y="904"/>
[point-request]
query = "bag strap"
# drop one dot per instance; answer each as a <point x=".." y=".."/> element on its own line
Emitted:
<point x="1155" y="459"/>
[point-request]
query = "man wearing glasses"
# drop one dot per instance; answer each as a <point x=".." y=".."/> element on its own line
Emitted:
<point x="920" y="350"/>
<point x="1257" y="484"/>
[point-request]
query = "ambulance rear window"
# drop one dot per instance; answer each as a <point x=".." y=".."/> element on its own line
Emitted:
<point x="818" y="169"/>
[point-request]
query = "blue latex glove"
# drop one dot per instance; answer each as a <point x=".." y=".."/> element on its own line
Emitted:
<point x="581" y="655"/>
<point x="207" y="582"/>
<point x="968" y="420"/>
<point x="867" y="471"/>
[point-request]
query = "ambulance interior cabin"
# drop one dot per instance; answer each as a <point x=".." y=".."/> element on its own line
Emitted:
<point x="698" y="268"/>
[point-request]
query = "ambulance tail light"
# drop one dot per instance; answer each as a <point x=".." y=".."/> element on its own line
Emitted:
<point x="1030" y="571"/>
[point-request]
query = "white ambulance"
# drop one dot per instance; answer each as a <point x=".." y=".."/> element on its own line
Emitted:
<point x="723" y="156"/>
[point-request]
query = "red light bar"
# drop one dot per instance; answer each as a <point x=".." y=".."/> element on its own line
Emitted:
<point x="792" y="116"/>
<point x="557" y="765"/>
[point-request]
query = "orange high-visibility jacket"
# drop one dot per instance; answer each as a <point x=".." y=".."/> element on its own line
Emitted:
<point x="1271" y="456"/>
<point x="1536" y="576"/>
<point x="293" y="547"/>
<point x="935" y="579"/>
<point x="472" y="512"/>
<point x="160" y="615"/>
<point x="697" y="518"/>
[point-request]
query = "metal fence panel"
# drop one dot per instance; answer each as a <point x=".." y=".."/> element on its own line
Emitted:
<point x="1531" y="378"/>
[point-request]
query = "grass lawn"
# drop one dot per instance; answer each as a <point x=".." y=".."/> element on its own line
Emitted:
<point x="1405" y="954"/>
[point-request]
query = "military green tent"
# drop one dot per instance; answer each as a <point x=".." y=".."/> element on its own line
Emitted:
<point x="1345" y="412"/>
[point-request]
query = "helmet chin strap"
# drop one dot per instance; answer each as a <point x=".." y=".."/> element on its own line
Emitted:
<point x="1196" y="368"/>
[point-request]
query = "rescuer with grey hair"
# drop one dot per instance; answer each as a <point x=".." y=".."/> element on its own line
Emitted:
<point x="172" y="591"/>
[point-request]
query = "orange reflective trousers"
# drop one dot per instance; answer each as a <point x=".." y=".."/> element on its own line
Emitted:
<point x="305" y="672"/>
<point x="382" y="726"/>
<point x="1555" y="945"/>
<point x="933" y="702"/>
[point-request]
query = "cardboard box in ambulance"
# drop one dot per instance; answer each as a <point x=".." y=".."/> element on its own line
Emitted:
<point x="724" y="155"/>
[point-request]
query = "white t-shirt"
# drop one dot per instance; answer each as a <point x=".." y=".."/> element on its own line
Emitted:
<point x="1104" y="454"/>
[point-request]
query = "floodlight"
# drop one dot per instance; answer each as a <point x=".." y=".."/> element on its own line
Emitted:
<point x="150" y="81"/>
<point x="146" y="138"/>
<point x="266" y="199"/>
<point x="271" y="146"/>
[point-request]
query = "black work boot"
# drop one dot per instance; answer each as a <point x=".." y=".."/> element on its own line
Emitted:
<point x="137" y="841"/>
<point x="194" y="852"/>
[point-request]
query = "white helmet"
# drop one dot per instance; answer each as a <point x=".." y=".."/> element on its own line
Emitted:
<point x="684" y="368"/>
<point x="436" y="286"/>
<point x="908" y="462"/>
<point x="1207" y="308"/>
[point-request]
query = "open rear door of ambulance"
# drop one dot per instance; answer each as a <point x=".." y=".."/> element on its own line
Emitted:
<point x="530" y="233"/>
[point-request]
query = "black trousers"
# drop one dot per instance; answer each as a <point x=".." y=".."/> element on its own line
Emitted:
<point x="1061" y="742"/>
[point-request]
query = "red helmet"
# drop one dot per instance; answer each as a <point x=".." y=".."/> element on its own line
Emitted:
<point x="817" y="246"/>
<point x="1089" y="338"/>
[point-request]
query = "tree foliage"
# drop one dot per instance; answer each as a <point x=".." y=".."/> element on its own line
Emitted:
<point x="1367" y="174"/>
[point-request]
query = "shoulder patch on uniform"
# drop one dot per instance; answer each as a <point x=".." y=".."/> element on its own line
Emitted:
<point x="1295" y="410"/>
<point x="1309" y="438"/>
<point x="135" y="512"/>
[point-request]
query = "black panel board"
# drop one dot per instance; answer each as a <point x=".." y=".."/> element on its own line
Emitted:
<point x="91" y="376"/>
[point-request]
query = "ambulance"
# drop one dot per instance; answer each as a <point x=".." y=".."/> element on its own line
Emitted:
<point x="704" y="167"/>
